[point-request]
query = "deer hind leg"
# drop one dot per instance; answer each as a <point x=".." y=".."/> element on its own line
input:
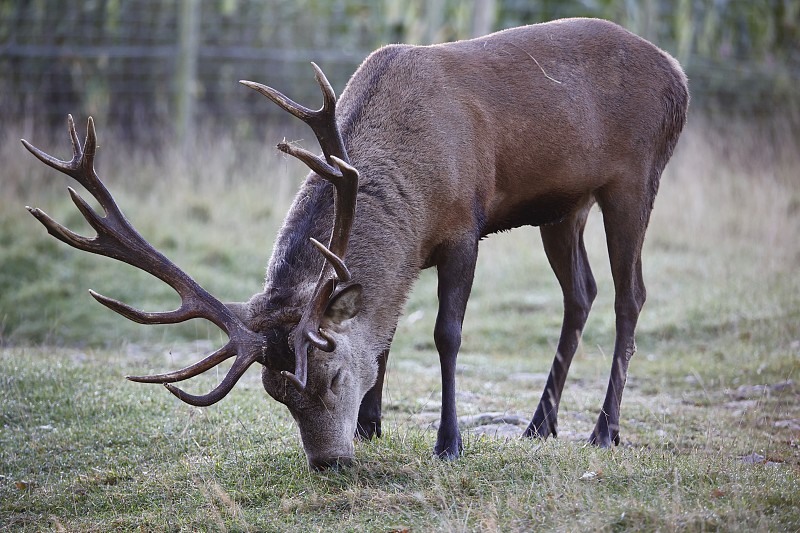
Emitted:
<point x="563" y="243"/>
<point x="456" y="268"/>
<point x="625" y="216"/>
<point x="369" y="414"/>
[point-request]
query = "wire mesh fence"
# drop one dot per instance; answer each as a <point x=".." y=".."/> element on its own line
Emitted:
<point x="171" y="66"/>
<point x="146" y="65"/>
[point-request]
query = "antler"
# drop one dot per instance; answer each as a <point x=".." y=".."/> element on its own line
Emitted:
<point x="335" y="168"/>
<point x="117" y="238"/>
<point x="321" y="121"/>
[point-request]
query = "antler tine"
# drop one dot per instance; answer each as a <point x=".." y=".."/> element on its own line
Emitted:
<point x="342" y="272"/>
<point x="345" y="179"/>
<point x="238" y="368"/>
<point x="308" y="333"/>
<point x="281" y="100"/>
<point x="312" y="161"/>
<point x="118" y="239"/>
<point x="321" y="121"/>
<point x="58" y="164"/>
<point x="226" y="352"/>
<point x="182" y="314"/>
<point x="81" y="166"/>
<point x="329" y="96"/>
<point x="58" y="231"/>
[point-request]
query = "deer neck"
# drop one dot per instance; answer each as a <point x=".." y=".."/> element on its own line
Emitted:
<point x="380" y="256"/>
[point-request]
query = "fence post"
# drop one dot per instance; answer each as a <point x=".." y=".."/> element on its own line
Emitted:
<point x="186" y="71"/>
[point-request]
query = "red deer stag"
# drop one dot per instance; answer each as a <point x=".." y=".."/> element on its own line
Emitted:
<point x="428" y="150"/>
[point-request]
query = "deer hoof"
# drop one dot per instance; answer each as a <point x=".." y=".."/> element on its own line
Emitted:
<point x="541" y="427"/>
<point x="604" y="439"/>
<point x="447" y="450"/>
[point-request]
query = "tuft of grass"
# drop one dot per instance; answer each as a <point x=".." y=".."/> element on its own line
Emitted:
<point x="710" y="420"/>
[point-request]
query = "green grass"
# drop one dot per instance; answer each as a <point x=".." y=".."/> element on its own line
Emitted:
<point x="81" y="449"/>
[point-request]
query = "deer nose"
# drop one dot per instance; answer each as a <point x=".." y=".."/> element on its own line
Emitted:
<point x="324" y="463"/>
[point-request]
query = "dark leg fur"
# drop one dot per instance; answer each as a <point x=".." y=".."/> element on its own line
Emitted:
<point x="369" y="414"/>
<point x="456" y="268"/>
<point x="625" y="224"/>
<point x="563" y="244"/>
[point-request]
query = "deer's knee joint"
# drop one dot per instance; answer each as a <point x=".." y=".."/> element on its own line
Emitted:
<point x="447" y="337"/>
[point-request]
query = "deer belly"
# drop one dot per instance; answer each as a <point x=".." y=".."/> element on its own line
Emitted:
<point x="544" y="209"/>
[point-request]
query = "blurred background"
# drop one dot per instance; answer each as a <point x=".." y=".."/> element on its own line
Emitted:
<point x="172" y="65"/>
<point x="189" y="153"/>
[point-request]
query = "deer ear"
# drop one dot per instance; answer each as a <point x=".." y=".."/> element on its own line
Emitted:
<point x="343" y="306"/>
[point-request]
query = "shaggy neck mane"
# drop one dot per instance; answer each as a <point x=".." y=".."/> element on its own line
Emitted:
<point x="295" y="263"/>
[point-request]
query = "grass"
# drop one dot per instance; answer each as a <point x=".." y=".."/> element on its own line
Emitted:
<point x="710" y="419"/>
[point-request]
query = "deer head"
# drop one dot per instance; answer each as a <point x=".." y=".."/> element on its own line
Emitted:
<point x="323" y="397"/>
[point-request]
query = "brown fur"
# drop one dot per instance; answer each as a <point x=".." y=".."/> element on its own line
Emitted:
<point x="528" y="126"/>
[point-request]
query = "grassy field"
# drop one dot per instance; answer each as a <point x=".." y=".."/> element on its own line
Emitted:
<point x="710" y="420"/>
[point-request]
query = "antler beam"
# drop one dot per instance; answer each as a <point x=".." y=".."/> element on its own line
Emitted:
<point x="118" y="239"/>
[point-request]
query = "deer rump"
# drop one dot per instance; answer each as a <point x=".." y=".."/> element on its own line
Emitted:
<point x="428" y="150"/>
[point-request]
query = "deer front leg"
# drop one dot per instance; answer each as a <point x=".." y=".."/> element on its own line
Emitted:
<point x="456" y="269"/>
<point x="369" y="414"/>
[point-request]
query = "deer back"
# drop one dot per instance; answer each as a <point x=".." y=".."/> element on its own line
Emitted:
<point x="506" y="130"/>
